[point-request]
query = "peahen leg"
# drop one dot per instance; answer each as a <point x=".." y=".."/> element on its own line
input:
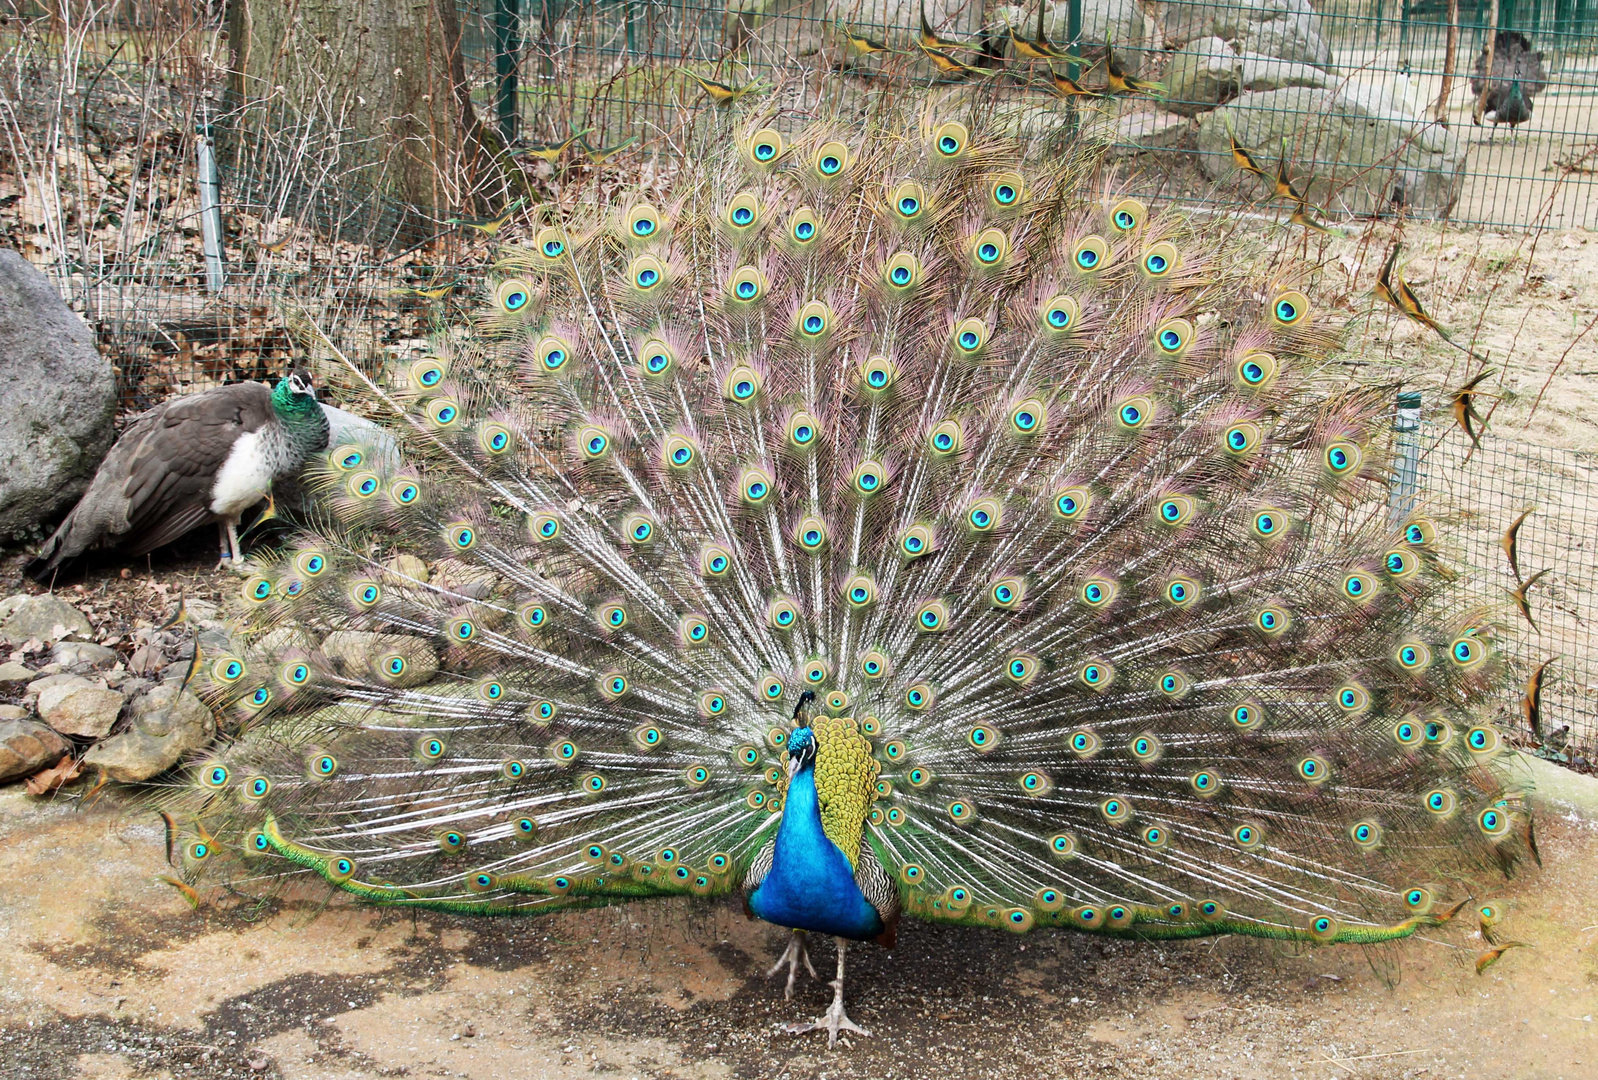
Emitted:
<point x="794" y="955"/>
<point x="835" y="1019"/>
<point x="237" y="562"/>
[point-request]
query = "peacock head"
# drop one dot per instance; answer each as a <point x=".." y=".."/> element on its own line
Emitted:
<point x="801" y="750"/>
<point x="294" y="394"/>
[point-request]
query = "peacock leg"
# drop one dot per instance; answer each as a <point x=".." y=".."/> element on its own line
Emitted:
<point x="794" y="955"/>
<point x="835" y="1019"/>
<point x="226" y="552"/>
<point x="233" y="546"/>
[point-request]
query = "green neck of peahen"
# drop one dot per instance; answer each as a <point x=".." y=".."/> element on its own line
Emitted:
<point x="301" y="416"/>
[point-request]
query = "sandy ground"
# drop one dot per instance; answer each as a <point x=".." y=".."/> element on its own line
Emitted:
<point x="107" y="973"/>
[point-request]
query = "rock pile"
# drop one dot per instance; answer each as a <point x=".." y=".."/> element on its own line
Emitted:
<point x="115" y="707"/>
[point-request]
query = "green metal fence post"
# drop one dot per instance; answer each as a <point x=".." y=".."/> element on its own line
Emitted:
<point x="507" y="44"/>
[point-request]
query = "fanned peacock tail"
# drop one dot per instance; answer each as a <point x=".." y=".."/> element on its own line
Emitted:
<point x="1054" y="499"/>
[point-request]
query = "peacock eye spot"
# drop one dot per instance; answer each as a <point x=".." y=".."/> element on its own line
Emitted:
<point x="1253" y="373"/>
<point x="1059" y="318"/>
<point x="553" y="248"/>
<point x="1156" y="264"/>
<point x="743" y="215"/>
<point x="830" y="164"/>
<point x="262" y="590"/>
<point x="657" y="363"/>
<point x="647" y="278"/>
<point x="1124" y="220"/>
<point x="814" y="324"/>
<point x="744" y="387"/>
<point x="596" y="444"/>
<point x="1131" y="415"/>
<point x="949" y="145"/>
<point x="643" y="227"/>
<point x="1286" y="311"/>
<point x="901" y="275"/>
<point x="1170" y="339"/>
<point x="804" y="230"/>
<point x="803" y="433"/>
<point x="909" y="205"/>
<point x="554" y="358"/>
<point x="988" y="252"/>
<point x="765" y="151"/>
<point x="1087" y="258"/>
<point x="1005" y="194"/>
<point x="968" y="339"/>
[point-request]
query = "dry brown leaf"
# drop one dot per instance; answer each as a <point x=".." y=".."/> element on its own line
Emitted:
<point x="47" y="780"/>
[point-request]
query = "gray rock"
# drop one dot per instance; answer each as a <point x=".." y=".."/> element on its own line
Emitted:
<point x="83" y="654"/>
<point x="26" y="747"/>
<point x="48" y="679"/>
<point x="1284" y="29"/>
<point x="357" y="652"/>
<point x="1295" y="36"/>
<point x="46" y="617"/>
<point x="213" y="642"/>
<point x="79" y="707"/>
<point x="1151" y="129"/>
<point x="1269" y="73"/>
<point x="13" y="672"/>
<point x="1356" y="149"/>
<point x="1202" y="74"/>
<point x="12" y="712"/>
<point x="56" y="416"/>
<point x="165" y="726"/>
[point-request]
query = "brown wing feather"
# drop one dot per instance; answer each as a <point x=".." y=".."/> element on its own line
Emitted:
<point x="171" y="474"/>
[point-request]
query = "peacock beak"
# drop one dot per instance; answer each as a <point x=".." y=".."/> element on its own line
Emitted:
<point x="793" y="765"/>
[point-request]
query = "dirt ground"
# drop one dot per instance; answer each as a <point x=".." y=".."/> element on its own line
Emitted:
<point x="107" y="973"/>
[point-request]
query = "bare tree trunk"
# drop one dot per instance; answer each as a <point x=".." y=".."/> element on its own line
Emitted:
<point x="1450" y="58"/>
<point x="386" y="80"/>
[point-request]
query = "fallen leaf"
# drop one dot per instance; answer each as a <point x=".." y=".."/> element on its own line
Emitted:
<point x="47" y="780"/>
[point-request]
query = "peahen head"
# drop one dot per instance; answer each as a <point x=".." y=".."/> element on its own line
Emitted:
<point x="294" y="396"/>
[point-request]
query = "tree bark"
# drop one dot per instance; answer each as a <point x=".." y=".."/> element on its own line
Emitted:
<point x="360" y="98"/>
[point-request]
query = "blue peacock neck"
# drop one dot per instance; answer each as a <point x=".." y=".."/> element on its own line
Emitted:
<point x="811" y="885"/>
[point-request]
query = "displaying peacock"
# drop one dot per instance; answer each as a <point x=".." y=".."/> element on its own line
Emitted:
<point x="875" y="525"/>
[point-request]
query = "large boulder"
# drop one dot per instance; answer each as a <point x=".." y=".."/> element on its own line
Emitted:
<point x="1283" y="29"/>
<point x="1354" y="149"/>
<point x="1203" y="73"/>
<point x="57" y="412"/>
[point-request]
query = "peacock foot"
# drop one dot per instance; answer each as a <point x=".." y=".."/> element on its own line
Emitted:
<point x="832" y="1022"/>
<point x="835" y="1019"/>
<point x="795" y="954"/>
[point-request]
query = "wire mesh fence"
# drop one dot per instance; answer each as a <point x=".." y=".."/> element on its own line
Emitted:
<point x="1367" y="105"/>
<point x="1476" y="494"/>
<point x="1372" y="107"/>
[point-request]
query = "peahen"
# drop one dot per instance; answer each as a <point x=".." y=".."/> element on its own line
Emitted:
<point x="1517" y="77"/>
<point x="873" y="524"/>
<point x="190" y="461"/>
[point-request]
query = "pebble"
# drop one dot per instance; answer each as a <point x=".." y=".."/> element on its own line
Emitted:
<point x="13" y="672"/>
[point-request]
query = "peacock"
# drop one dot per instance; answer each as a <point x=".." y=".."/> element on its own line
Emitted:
<point x="206" y="457"/>
<point x="874" y="522"/>
<point x="1517" y="77"/>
